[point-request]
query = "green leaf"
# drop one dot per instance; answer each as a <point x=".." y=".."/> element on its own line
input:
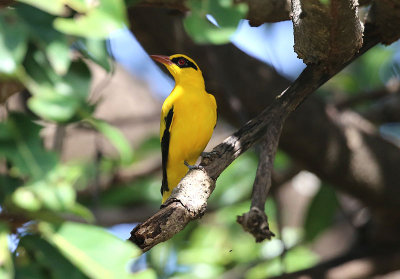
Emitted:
<point x="55" y="192"/>
<point x="320" y="213"/>
<point x="300" y="257"/>
<point x="116" y="137"/>
<point x="53" y="43"/>
<point x="21" y="144"/>
<point x="295" y="259"/>
<point x="142" y="190"/>
<point x="97" y="253"/>
<point x="13" y="40"/>
<point x="236" y="181"/>
<point x="96" y="50"/>
<point x="49" y="258"/>
<point x="6" y="264"/>
<point x="56" y="98"/>
<point x="225" y="12"/>
<point x="98" y="21"/>
<point x="55" y="7"/>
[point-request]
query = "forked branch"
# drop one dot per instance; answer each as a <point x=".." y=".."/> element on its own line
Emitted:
<point x="189" y="199"/>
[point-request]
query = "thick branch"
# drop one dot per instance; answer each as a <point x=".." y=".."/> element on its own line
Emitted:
<point x="189" y="199"/>
<point x="315" y="135"/>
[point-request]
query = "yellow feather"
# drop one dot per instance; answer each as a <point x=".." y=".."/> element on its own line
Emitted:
<point x="193" y="122"/>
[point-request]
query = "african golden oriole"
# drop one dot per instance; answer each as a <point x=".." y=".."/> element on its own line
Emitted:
<point x="188" y="118"/>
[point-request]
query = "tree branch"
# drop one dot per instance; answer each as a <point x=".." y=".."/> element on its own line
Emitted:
<point x="188" y="200"/>
<point x="367" y="170"/>
<point x="256" y="221"/>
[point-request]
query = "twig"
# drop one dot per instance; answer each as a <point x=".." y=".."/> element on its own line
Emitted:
<point x="59" y="136"/>
<point x="256" y="221"/>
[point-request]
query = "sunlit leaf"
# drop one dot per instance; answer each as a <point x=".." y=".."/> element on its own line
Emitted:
<point x="55" y="192"/>
<point x="93" y="250"/>
<point x="295" y="259"/>
<point x="13" y="40"/>
<point x="53" y="43"/>
<point x="225" y="12"/>
<point x="49" y="258"/>
<point x="96" y="50"/>
<point x="57" y="98"/>
<point x="236" y="181"/>
<point x="320" y="213"/>
<point x="98" y="21"/>
<point x="146" y="274"/>
<point x="298" y="258"/>
<point x="6" y="264"/>
<point x="265" y="269"/>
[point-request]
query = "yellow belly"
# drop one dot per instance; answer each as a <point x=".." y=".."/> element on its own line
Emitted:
<point x="193" y="124"/>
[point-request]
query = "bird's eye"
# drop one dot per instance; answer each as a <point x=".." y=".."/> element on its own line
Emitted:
<point x="181" y="62"/>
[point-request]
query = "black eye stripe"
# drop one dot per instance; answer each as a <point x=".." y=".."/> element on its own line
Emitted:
<point x="188" y="63"/>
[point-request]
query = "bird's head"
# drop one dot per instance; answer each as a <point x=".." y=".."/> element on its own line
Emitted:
<point x="181" y="67"/>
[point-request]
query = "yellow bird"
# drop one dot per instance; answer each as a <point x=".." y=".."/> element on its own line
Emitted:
<point x="188" y="118"/>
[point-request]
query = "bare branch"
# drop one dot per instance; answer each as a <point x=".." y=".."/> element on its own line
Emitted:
<point x="256" y="221"/>
<point x="189" y="199"/>
<point x="187" y="202"/>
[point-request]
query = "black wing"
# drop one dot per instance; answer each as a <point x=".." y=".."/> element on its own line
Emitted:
<point x="165" y="148"/>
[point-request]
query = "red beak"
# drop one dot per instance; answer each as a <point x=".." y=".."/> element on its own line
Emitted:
<point x="162" y="59"/>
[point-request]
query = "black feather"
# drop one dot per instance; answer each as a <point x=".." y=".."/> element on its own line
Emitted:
<point x="165" y="149"/>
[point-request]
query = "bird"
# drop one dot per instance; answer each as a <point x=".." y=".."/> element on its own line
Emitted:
<point x="188" y="119"/>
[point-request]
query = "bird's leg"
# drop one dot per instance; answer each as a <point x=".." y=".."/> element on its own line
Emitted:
<point x="192" y="167"/>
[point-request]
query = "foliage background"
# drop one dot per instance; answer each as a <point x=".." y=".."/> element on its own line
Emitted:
<point x="80" y="153"/>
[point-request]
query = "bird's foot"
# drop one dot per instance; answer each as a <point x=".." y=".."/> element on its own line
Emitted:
<point x="193" y="167"/>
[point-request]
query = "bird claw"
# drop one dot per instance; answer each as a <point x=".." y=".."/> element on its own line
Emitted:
<point x="193" y="167"/>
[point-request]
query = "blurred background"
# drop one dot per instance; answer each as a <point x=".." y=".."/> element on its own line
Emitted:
<point x="80" y="153"/>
